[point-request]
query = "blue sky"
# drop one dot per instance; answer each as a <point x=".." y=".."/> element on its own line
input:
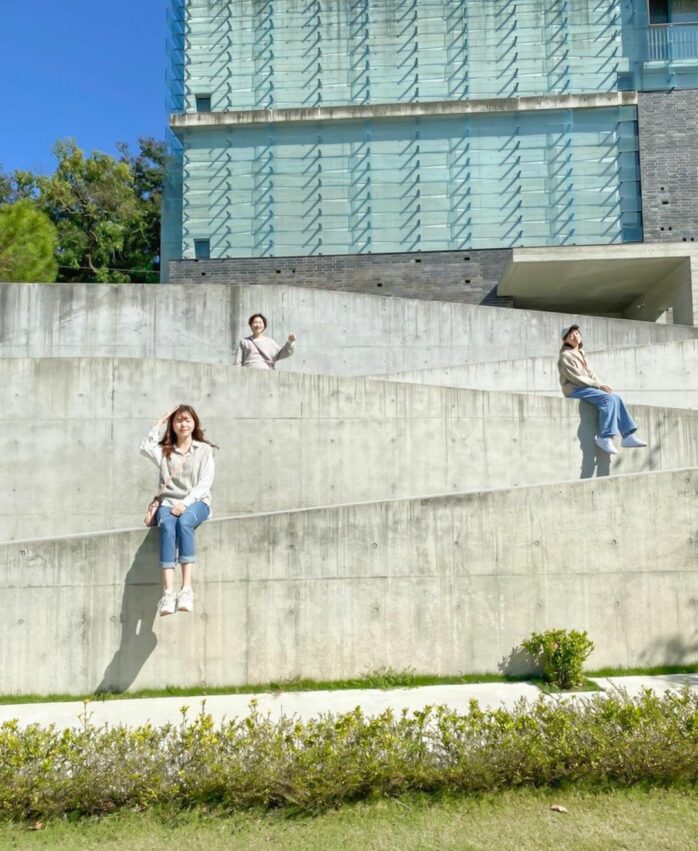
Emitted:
<point x="86" y="69"/>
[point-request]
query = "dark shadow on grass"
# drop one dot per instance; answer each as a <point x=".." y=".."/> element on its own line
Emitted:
<point x="142" y="589"/>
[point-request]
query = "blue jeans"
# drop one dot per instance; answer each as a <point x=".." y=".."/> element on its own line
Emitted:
<point x="613" y="415"/>
<point x="177" y="533"/>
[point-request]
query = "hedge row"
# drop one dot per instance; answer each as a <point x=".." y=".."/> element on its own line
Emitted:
<point x="254" y="761"/>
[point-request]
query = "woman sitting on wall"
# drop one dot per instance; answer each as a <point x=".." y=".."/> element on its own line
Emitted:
<point x="176" y="444"/>
<point x="579" y="381"/>
<point x="260" y="352"/>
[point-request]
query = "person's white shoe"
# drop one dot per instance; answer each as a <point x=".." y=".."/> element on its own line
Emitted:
<point x="632" y="442"/>
<point x="606" y="443"/>
<point x="167" y="603"/>
<point x="185" y="600"/>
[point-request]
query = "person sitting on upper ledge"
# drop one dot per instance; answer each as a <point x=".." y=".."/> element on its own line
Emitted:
<point x="579" y="381"/>
<point x="260" y="352"/>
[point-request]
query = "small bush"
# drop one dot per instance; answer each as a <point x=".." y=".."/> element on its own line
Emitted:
<point x="561" y="654"/>
<point x="309" y="767"/>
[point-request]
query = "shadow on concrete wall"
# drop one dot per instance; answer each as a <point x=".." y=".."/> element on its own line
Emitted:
<point x="679" y="650"/>
<point x="142" y="590"/>
<point x="594" y="460"/>
<point x="517" y="663"/>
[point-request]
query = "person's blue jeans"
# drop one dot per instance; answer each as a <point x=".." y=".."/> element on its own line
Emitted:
<point x="614" y="417"/>
<point x="177" y="534"/>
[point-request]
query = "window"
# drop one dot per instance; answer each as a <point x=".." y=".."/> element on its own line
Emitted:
<point x="673" y="11"/>
<point x="659" y="11"/>
<point x="202" y="249"/>
<point x="203" y="103"/>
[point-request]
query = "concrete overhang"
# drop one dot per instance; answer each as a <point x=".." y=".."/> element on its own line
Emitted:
<point x="181" y="122"/>
<point x="634" y="281"/>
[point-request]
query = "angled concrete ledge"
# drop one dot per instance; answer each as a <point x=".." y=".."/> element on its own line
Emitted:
<point x="338" y="333"/>
<point x="662" y="374"/>
<point x="71" y="431"/>
<point x="443" y="584"/>
<point x="181" y="122"/>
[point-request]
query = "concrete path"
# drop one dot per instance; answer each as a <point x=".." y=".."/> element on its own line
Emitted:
<point x="634" y="685"/>
<point x="309" y="704"/>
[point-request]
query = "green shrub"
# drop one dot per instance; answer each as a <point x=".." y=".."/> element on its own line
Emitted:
<point x="560" y="654"/>
<point x="254" y="761"/>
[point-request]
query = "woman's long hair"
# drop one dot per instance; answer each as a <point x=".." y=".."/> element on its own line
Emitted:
<point x="169" y="441"/>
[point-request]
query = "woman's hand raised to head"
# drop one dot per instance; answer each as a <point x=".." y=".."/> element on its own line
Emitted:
<point x="292" y="338"/>
<point x="165" y="417"/>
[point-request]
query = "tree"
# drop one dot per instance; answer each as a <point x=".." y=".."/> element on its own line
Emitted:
<point x="5" y="187"/>
<point x="106" y="211"/>
<point x="148" y="175"/>
<point x="15" y="186"/>
<point x="28" y="242"/>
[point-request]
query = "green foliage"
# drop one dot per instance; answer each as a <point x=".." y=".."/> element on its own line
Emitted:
<point x="5" y="188"/>
<point x="561" y="654"/>
<point x="27" y="244"/>
<point x="16" y="186"/>
<point x="309" y="767"/>
<point x="106" y="210"/>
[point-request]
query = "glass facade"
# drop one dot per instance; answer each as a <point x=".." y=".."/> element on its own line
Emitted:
<point x="482" y="180"/>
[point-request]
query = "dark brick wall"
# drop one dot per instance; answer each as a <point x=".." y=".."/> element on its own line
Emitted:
<point x="668" y="128"/>
<point x="461" y="276"/>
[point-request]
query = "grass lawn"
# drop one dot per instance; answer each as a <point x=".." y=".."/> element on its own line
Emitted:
<point x="634" y="819"/>
<point x="381" y="679"/>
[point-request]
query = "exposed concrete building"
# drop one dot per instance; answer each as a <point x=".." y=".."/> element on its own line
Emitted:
<point x="444" y="140"/>
<point x="359" y="523"/>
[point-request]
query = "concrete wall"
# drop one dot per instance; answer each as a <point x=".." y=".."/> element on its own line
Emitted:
<point x="339" y="333"/>
<point x="71" y="430"/>
<point x="663" y="374"/>
<point x="444" y="585"/>
<point x="470" y="277"/>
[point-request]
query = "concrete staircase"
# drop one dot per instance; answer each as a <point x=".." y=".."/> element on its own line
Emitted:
<point x="430" y="517"/>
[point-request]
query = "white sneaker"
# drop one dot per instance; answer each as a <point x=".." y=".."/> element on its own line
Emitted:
<point x="167" y="604"/>
<point x="606" y="443"/>
<point x="632" y="442"/>
<point x="185" y="600"/>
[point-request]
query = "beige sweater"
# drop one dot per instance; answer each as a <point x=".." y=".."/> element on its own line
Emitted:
<point x="184" y="478"/>
<point x="575" y="371"/>
<point x="248" y="354"/>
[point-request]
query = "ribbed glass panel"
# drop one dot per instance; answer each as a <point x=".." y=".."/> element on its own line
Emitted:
<point x="293" y="53"/>
<point x="559" y="177"/>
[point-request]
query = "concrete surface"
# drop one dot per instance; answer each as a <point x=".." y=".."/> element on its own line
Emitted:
<point x="338" y="333"/>
<point x="446" y="585"/>
<point x="662" y="374"/>
<point x="637" y="281"/>
<point x="634" y="686"/>
<point x="301" y="704"/>
<point x="262" y="117"/>
<point x="71" y="431"/>
<point x="311" y="704"/>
